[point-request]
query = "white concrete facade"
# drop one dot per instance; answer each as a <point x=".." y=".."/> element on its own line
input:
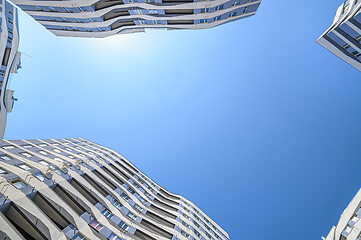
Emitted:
<point x="10" y="58"/>
<point x="101" y="18"/>
<point x="76" y="189"/>
<point x="349" y="225"/>
<point x="344" y="36"/>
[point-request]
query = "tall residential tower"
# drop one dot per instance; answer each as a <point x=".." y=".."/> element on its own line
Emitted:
<point x="101" y="18"/>
<point x="10" y="58"/>
<point x="349" y="225"/>
<point x="76" y="189"/>
<point x="344" y="36"/>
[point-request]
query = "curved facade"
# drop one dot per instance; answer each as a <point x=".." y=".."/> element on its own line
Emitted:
<point x="349" y="225"/>
<point x="94" y="18"/>
<point x="76" y="189"/>
<point x="10" y="58"/>
<point x="343" y="38"/>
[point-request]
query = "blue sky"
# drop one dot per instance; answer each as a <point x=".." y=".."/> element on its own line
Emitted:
<point x="252" y="121"/>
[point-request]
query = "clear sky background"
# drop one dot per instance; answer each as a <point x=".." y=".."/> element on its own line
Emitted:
<point x="253" y="121"/>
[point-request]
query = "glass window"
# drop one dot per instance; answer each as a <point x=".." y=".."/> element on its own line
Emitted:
<point x="40" y="176"/>
<point x="236" y="3"/>
<point x="233" y="14"/>
<point x="24" y="166"/>
<point x="44" y="163"/>
<point x="58" y="159"/>
<point x="43" y="152"/>
<point x="26" y="154"/>
<point x="245" y="10"/>
<point x="220" y="7"/>
<point x="78" y="236"/>
<point x="2" y="171"/>
<point x="123" y="225"/>
<point x="8" y="147"/>
<point x="19" y="184"/>
<point x="6" y="158"/>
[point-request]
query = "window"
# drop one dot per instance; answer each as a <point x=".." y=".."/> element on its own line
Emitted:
<point x="116" y="203"/>
<point x="153" y="11"/>
<point x="156" y="22"/>
<point x="68" y="10"/>
<point x="184" y="234"/>
<point x="26" y="154"/>
<point x="8" y="147"/>
<point x="70" y="157"/>
<point x="236" y="3"/>
<point x="150" y="1"/>
<point x="58" y="159"/>
<point x="11" y="31"/>
<point x="123" y="225"/>
<point x="97" y="226"/>
<point x="27" y="146"/>
<point x="57" y="150"/>
<point x="64" y="19"/>
<point x="232" y="14"/>
<point x="138" y="208"/>
<point x="245" y="10"/>
<point x="2" y="72"/>
<point x="55" y="144"/>
<point x="38" y="8"/>
<point x="131" y="215"/>
<point x="220" y="7"/>
<point x="2" y="172"/>
<point x="42" y="145"/>
<point x="217" y="18"/>
<point x="6" y="158"/>
<point x="197" y="233"/>
<point x="68" y="149"/>
<point x="125" y="197"/>
<point x="10" y="40"/>
<point x="80" y="154"/>
<point x="40" y="176"/>
<point x="51" y="9"/>
<point x="44" y="163"/>
<point x="204" y="10"/>
<point x="107" y="213"/>
<point x="137" y="11"/>
<point x="43" y="152"/>
<point x="82" y="9"/>
<point x="78" y="236"/>
<point x="19" y="184"/>
<point x="24" y="166"/>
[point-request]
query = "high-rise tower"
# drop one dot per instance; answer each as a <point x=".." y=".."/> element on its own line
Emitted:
<point x="76" y="189"/>
<point x="101" y="18"/>
<point x="10" y="58"/>
<point x="344" y="36"/>
<point x="349" y="225"/>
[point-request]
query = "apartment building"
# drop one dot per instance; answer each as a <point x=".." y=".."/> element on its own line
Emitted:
<point x="344" y="36"/>
<point x="77" y="189"/>
<point x="101" y="18"/>
<point x="10" y="58"/>
<point x="349" y="225"/>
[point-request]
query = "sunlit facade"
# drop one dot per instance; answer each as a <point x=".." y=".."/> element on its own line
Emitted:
<point x="10" y="58"/>
<point x="349" y="225"/>
<point x="343" y="38"/>
<point x="94" y="18"/>
<point x="76" y="189"/>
